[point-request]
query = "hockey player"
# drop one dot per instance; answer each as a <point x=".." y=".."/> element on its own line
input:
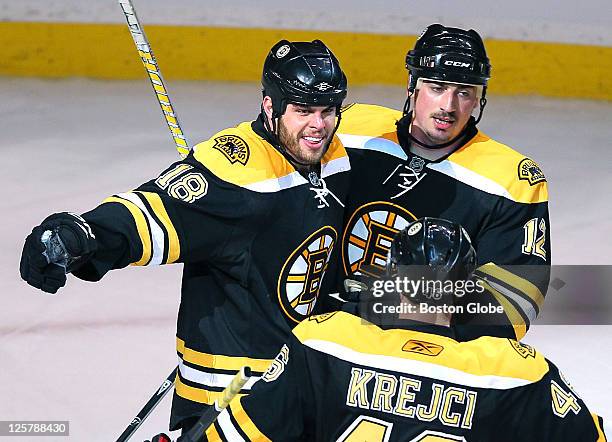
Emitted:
<point x="431" y="160"/>
<point x="343" y="378"/>
<point x="253" y="213"/>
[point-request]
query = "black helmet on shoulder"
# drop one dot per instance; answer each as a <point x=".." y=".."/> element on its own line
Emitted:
<point x="302" y="73"/>
<point x="449" y="54"/>
<point x="433" y="249"/>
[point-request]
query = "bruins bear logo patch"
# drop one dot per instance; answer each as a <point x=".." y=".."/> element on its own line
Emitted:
<point x="530" y="171"/>
<point x="235" y="149"/>
<point x="526" y="351"/>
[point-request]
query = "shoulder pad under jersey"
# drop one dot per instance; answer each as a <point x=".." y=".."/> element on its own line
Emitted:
<point x="368" y="120"/>
<point x="486" y="362"/>
<point x="496" y="168"/>
<point x="240" y="156"/>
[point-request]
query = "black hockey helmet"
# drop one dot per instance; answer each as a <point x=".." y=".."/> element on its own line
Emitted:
<point x="302" y="73"/>
<point x="448" y="54"/>
<point x="434" y="249"/>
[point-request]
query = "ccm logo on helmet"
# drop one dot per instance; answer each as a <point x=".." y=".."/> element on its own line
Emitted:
<point x="459" y="64"/>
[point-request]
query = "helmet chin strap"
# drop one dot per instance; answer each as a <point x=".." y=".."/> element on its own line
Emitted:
<point x="406" y="111"/>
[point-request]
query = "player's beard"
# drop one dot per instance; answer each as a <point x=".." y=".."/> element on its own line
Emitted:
<point x="291" y="143"/>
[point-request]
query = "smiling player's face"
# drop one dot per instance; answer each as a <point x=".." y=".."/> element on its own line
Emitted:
<point x="304" y="131"/>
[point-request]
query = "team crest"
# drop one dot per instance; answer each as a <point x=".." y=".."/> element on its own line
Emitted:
<point x="422" y="347"/>
<point x="302" y="275"/>
<point x="530" y="171"/>
<point x="526" y="351"/>
<point x="368" y="235"/>
<point x="235" y="149"/>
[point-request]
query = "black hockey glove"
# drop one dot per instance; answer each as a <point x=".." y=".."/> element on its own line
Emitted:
<point x="56" y="247"/>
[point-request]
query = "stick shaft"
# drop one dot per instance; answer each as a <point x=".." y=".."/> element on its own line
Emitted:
<point x="154" y="73"/>
<point x="159" y="394"/>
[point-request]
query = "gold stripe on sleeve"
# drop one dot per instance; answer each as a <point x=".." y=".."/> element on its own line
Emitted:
<point x="141" y="226"/>
<point x="601" y="437"/>
<point x="516" y="319"/>
<point x="174" y="246"/>
<point x="196" y="394"/>
<point x="526" y="287"/>
<point x="220" y="361"/>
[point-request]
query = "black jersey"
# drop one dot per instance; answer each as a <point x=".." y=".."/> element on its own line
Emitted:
<point x="343" y="379"/>
<point x="256" y="238"/>
<point x="498" y="195"/>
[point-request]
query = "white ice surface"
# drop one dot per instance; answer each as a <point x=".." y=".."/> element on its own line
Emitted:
<point x="94" y="353"/>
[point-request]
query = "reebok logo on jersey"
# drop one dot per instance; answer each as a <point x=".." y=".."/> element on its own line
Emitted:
<point x="235" y="149"/>
<point x="422" y="347"/>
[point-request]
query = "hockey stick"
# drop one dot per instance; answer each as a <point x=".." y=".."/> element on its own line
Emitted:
<point x="161" y="93"/>
<point x="163" y="389"/>
<point x="196" y="434"/>
<point x="150" y="64"/>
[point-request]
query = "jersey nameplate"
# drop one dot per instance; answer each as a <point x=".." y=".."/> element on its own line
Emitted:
<point x="410" y="398"/>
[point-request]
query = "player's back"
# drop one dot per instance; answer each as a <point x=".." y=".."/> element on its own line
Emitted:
<point x="342" y="378"/>
<point x="419" y="384"/>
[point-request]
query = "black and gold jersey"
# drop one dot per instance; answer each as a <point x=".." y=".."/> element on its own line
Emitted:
<point x="341" y="378"/>
<point x="256" y="238"/>
<point x="498" y="195"/>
